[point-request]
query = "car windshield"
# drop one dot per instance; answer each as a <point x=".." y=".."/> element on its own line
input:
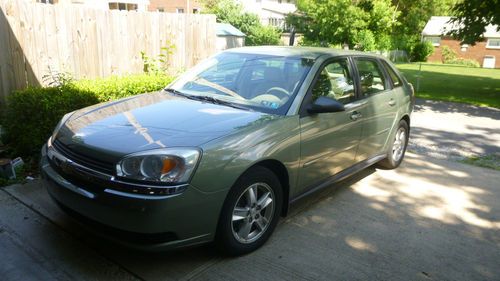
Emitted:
<point x="257" y="82"/>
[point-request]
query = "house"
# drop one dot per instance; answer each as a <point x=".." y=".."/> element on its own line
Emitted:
<point x="175" y="6"/>
<point x="486" y="52"/>
<point x="127" y="5"/>
<point x="228" y="37"/>
<point x="270" y="12"/>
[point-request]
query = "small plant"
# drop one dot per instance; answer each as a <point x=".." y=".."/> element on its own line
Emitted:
<point x="57" y="79"/>
<point x="159" y="64"/>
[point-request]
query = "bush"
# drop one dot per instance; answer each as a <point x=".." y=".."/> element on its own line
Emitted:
<point x="421" y="51"/>
<point x="449" y="56"/>
<point x="263" y="35"/>
<point x="31" y="114"/>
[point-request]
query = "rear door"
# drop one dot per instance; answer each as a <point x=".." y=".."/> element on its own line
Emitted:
<point x="381" y="106"/>
<point x="329" y="140"/>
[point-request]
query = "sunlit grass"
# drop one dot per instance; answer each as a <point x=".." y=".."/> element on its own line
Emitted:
<point x="478" y="86"/>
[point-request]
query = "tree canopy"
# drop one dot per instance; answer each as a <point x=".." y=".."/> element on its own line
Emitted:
<point x="366" y="24"/>
<point x="229" y="11"/>
<point x="473" y="16"/>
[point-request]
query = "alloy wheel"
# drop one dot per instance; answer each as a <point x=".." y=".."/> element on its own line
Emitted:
<point x="253" y="212"/>
<point x="399" y="144"/>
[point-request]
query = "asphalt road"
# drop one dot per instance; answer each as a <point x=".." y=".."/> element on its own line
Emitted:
<point x="431" y="219"/>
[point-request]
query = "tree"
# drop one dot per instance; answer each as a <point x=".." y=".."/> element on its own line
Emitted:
<point x="472" y="17"/>
<point x="413" y="17"/>
<point x="228" y="11"/>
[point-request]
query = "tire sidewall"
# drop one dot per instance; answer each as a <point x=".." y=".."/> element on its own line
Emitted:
<point x="225" y="240"/>
<point x="395" y="164"/>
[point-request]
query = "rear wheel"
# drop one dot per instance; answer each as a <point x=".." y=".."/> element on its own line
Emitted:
<point x="250" y="212"/>
<point x="397" y="150"/>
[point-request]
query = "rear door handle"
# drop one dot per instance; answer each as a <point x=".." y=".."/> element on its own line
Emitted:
<point x="355" y="115"/>
<point x="392" y="102"/>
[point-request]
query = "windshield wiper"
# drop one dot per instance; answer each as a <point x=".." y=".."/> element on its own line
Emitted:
<point x="206" y="99"/>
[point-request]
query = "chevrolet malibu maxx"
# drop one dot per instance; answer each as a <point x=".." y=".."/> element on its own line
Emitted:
<point x="221" y="153"/>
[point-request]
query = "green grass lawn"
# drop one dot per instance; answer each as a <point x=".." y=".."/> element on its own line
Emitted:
<point x="477" y="86"/>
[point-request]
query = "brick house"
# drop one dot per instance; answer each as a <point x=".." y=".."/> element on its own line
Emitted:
<point x="486" y="52"/>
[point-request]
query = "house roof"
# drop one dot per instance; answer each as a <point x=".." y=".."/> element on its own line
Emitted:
<point x="225" y="29"/>
<point x="438" y="26"/>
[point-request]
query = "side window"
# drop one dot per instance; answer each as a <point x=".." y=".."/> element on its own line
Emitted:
<point x="396" y="81"/>
<point x="335" y="81"/>
<point x="371" y="76"/>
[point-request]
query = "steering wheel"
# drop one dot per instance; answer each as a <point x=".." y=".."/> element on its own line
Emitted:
<point x="278" y="92"/>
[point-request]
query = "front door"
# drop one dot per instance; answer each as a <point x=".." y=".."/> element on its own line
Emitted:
<point x="329" y="140"/>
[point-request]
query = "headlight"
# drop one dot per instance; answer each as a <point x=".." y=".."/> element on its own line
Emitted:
<point x="59" y="125"/>
<point x="169" y="165"/>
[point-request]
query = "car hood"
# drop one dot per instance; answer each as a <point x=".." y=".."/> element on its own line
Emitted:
<point x="150" y="121"/>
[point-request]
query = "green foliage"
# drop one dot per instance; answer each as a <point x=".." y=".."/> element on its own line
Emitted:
<point x="365" y="41"/>
<point x="448" y="54"/>
<point x="451" y="57"/>
<point x="161" y="63"/>
<point x="31" y="114"/>
<point x="228" y="11"/>
<point x="263" y="35"/>
<point x="473" y="16"/>
<point x="393" y="24"/>
<point x="366" y="25"/>
<point x="421" y="51"/>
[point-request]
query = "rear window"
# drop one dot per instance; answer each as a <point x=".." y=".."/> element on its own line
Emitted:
<point x="396" y="81"/>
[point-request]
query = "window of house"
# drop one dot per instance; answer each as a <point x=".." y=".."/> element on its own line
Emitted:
<point x="196" y="11"/>
<point x="47" y="1"/>
<point x="179" y="10"/>
<point x="122" y="6"/>
<point x="493" y="43"/>
<point x="160" y="9"/>
<point x="435" y="40"/>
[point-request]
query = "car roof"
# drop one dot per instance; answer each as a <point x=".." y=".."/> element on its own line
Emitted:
<point x="291" y="51"/>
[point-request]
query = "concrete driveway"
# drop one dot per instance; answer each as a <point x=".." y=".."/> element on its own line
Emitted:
<point x="431" y="219"/>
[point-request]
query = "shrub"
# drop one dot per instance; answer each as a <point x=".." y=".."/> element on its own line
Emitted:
<point x="449" y="56"/>
<point x="31" y="114"/>
<point x="421" y="51"/>
<point x="263" y="35"/>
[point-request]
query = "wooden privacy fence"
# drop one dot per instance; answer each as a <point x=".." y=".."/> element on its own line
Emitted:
<point x="38" y="38"/>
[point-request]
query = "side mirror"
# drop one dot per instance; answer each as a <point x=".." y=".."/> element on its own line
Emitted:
<point x="325" y="104"/>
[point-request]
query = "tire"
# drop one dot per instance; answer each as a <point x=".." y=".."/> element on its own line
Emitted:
<point x="246" y="221"/>
<point x="397" y="150"/>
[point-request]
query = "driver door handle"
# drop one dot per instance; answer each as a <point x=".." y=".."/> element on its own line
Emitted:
<point x="392" y="102"/>
<point x="355" y="115"/>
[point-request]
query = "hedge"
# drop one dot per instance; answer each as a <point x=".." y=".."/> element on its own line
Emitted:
<point x="31" y="114"/>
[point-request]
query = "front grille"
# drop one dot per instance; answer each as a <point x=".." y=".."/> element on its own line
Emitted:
<point x="84" y="160"/>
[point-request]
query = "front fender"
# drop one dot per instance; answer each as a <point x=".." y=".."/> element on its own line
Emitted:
<point x="225" y="159"/>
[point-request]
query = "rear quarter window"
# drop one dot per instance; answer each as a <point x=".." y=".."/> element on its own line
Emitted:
<point x="396" y="80"/>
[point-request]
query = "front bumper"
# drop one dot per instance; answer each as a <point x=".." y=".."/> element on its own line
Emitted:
<point x="137" y="220"/>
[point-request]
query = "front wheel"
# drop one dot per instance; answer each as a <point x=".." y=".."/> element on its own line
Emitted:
<point x="250" y="212"/>
<point x="397" y="150"/>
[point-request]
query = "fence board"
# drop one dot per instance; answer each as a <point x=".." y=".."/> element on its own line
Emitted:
<point x="91" y="43"/>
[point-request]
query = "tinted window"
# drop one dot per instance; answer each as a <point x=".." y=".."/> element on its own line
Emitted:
<point x="371" y="76"/>
<point x="335" y="81"/>
<point x="396" y="81"/>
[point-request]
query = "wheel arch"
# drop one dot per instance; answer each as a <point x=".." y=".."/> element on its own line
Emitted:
<point x="280" y="170"/>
